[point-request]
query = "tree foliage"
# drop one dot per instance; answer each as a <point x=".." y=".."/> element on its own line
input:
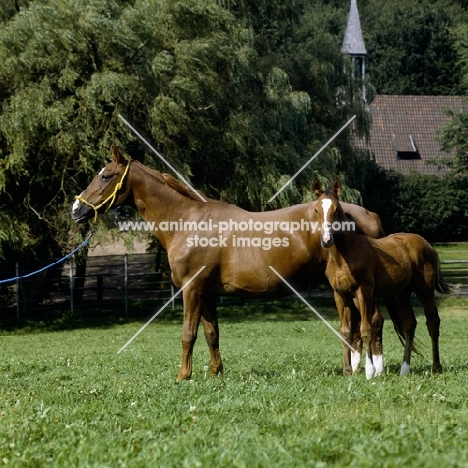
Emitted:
<point x="411" y="46"/>
<point x="58" y="98"/>
<point x="433" y="207"/>
<point x="454" y="136"/>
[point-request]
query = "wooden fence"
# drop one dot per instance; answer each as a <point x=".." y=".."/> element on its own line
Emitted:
<point x="123" y="283"/>
<point x="126" y="284"/>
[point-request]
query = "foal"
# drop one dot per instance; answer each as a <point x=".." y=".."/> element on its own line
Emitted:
<point x="362" y="268"/>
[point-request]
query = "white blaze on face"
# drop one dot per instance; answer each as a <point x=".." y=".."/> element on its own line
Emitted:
<point x="326" y="236"/>
<point x="102" y="170"/>
<point x="76" y="204"/>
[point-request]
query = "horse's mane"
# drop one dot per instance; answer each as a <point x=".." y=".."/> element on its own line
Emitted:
<point x="181" y="188"/>
<point x="174" y="184"/>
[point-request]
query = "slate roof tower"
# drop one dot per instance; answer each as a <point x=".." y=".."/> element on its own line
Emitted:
<point x="353" y="45"/>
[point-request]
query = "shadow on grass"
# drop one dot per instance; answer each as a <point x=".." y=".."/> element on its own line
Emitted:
<point x="231" y="310"/>
<point x="286" y="309"/>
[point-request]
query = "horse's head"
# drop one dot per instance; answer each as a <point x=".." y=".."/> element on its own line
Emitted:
<point x="107" y="190"/>
<point x="328" y="209"/>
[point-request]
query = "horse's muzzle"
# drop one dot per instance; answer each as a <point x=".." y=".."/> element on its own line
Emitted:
<point x="326" y="244"/>
<point x="80" y="212"/>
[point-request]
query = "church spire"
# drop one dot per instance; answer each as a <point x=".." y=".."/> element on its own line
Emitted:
<point x="353" y="44"/>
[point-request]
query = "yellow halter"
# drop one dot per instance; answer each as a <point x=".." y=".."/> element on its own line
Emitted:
<point x="111" y="197"/>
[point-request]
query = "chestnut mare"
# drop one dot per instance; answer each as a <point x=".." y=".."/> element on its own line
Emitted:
<point x="360" y="268"/>
<point x="236" y="262"/>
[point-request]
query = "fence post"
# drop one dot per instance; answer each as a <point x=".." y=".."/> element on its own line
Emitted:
<point x="71" y="284"/>
<point x="173" y="294"/>
<point x="17" y="293"/>
<point x="100" y="288"/>
<point x="126" y="284"/>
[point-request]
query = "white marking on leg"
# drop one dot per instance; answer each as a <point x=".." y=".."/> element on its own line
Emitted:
<point x="326" y="203"/>
<point x="377" y="359"/>
<point x="405" y="369"/>
<point x="355" y="361"/>
<point x="370" y="369"/>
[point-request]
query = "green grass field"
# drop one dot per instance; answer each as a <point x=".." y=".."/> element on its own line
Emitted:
<point x="68" y="399"/>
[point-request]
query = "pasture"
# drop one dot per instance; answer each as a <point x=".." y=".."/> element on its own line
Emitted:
<point x="68" y="399"/>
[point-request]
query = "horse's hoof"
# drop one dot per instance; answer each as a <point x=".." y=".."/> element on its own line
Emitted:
<point x="181" y="377"/>
<point x="436" y="369"/>
<point x="216" y="370"/>
<point x="405" y="369"/>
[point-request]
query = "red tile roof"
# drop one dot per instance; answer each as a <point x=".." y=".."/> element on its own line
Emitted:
<point x="404" y="133"/>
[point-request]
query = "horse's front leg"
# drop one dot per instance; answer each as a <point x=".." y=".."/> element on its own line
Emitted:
<point x="192" y="313"/>
<point x="357" y="340"/>
<point x="366" y="307"/>
<point x="377" y="347"/>
<point x="344" y="314"/>
<point x="210" y="327"/>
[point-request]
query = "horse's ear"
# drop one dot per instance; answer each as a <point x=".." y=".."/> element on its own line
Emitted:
<point x="116" y="155"/>
<point x="336" y="187"/>
<point x="317" y="187"/>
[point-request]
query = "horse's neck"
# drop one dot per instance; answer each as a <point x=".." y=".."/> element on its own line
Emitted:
<point x="157" y="202"/>
<point x="337" y="253"/>
<point x="340" y="243"/>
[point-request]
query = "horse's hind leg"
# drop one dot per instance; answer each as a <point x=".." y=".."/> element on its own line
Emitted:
<point x="210" y="327"/>
<point x="433" y="326"/>
<point x="192" y="313"/>
<point x="408" y="319"/>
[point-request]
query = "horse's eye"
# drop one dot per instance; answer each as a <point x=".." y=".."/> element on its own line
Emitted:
<point x="316" y="210"/>
<point x="106" y="177"/>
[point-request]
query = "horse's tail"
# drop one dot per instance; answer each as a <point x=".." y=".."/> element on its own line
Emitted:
<point x="398" y="323"/>
<point x="441" y="285"/>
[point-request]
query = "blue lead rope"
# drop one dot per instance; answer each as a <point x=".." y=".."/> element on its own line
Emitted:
<point x="52" y="264"/>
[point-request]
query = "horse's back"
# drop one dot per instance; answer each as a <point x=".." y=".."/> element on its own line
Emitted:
<point x="417" y="247"/>
<point x="367" y="221"/>
<point x="410" y="254"/>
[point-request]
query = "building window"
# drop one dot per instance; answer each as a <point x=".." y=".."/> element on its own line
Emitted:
<point x="408" y="155"/>
<point x="405" y="147"/>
